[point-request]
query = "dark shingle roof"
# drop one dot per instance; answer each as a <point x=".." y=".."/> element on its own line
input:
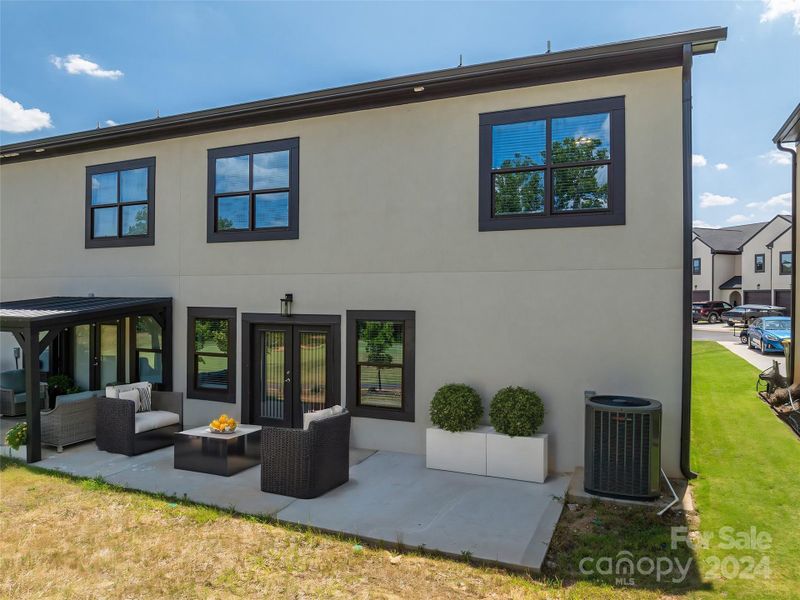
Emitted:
<point x="727" y="239"/>
<point x="734" y="283"/>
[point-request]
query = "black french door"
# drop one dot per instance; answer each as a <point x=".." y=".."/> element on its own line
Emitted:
<point x="292" y="368"/>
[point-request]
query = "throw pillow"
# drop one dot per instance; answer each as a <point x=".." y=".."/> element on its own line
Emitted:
<point x="316" y="416"/>
<point x="145" y="399"/>
<point x="132" y="395"/>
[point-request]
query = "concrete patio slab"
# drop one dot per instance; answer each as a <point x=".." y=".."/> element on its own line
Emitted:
<point x="391" y="498"/>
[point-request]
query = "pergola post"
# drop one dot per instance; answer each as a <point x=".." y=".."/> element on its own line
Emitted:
<point x="33" y="403"/>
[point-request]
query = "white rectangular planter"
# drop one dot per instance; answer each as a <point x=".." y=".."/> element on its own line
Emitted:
<point x="523" y="458"/>
<point x="464" y="451"/>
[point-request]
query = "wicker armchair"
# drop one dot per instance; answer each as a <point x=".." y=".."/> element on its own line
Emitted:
<point x="72" y="420"/>
<point x="306" y="463"/>
<point x="12" y="393"/>
<point x="116" y="424"/>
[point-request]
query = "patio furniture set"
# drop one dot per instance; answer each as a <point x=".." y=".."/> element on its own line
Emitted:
<point x="133" y="418"/>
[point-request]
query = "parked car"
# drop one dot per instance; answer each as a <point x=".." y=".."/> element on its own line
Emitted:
<point x="768" y="333"/>
<point x="709" y="311"/>
<point x="745" y="313"/>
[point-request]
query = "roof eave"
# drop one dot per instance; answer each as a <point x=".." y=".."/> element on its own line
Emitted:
<point x="635" y="55"/>
<point x="790" y="130"/>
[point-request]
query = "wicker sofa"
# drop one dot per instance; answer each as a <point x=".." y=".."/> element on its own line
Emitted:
<point x="12" y="393"/>
<point x="306" y="463"/>
<point x="73" y="419"/>
<point x="121" y="430"/>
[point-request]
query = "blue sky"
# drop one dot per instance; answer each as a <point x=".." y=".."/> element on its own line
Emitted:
<point x="67" y="66"/>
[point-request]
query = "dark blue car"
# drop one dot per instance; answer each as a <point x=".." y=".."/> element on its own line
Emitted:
<point x="767" y="333"/>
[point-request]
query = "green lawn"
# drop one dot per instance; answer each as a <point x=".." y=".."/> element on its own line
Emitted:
<point x="749" y="476"/>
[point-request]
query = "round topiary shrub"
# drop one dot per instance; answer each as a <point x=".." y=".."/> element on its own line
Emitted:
<point x="456" y="407"/>
<point x="516" y="411"/>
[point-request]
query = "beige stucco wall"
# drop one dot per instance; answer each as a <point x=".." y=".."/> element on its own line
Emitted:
<point x="781" y="244"/>
<point x="724" y="269"/>
<point x="388" y="220"/>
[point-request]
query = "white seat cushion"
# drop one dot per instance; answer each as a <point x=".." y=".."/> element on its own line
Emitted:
<point x="154" y="419"/>
<point x="320" y="414"/>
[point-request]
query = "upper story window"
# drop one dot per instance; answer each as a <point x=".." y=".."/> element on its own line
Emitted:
<point x="253" y="192"/>
<point x="120" y="201"/>
<point x="759" y="263"/>
<point x="561" y="165"/>
<point x="696" y="264"/>
<point x="786" y="263"/>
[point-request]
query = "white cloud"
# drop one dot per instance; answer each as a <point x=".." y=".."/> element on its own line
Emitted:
<point x="739" y="219"/>
<point x="776" y="157"/>
<point x="708" y="199"/>
<point x="721" y="166"/>
<point x="75" y="64"/>
<point x="698" y="160"/>
<point x="110" y="123"/>
<point x="775" y="9"/>
<point x="14" y="118"/>
<point x="703" y="224"/>
<point x="782" y="203"/>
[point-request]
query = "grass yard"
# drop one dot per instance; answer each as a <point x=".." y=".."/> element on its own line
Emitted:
<point x="66" y="537"/>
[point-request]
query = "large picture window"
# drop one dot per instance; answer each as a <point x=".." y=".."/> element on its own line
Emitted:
<point x="211" y="354"/>
<point x="561" y="165"/>
<point x="120" y="201"/>
<point x="253" y="192"/>
<point x="380" y="364"/>
<point x="760" y="263"/>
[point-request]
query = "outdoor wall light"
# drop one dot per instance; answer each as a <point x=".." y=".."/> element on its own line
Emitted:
<point x="16" y="357"/>
<point x="286" y="305"/>
<point x="758" y="286"/>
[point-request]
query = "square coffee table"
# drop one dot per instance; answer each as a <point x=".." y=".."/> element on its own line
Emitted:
<point x="224" y="454"/>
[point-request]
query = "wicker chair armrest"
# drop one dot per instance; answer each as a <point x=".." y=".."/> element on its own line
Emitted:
<point x="116" y="415"/>
<point x="170" y="401"/>
<point x="6" y="401"/>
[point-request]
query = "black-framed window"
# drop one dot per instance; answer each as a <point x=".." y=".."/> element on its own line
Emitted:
<point x="561" y="165"/>
<point x="253" y="192"/>
<point x="380" y="364"/>
<point x="696" y="266"/>
<point x="147" y="350"/>
<point x="211" y="354"/>
<point x="120" y="203"/>
<point x="759" y="263"/>
<point x="786" y="263"/>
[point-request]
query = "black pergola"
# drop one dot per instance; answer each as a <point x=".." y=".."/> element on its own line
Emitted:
<point x="26" y="319"/>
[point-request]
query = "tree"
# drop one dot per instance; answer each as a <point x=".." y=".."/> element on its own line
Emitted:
<point x="211" y="330"/>
<point x="521" y="191"/>
<point x="139" y="226"/>
<point x="378" y="337"/>
<point x="577" y="188"/>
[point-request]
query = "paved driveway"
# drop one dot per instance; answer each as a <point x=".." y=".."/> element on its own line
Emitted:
<point x="723" y="334"/>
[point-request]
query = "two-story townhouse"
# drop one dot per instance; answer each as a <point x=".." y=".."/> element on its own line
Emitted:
<point x="763" y="280"/>
<point x="717" y="262"/>
<point x="479" y="222"/>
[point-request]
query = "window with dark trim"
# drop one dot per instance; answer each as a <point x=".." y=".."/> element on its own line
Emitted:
<point x="211" y="354"/>
<point x="253" y="192"/>
<point x="561" y="165"/>
<point x="120" y="204"/>
<point x="380" y="364"/>
<point x="759" y="263"/>
<point x="146" y="343"/>
<point x="786" y="263"/>
<point x="696" y="263"/>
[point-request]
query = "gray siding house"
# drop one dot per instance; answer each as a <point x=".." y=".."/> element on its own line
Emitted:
<point x="478" y="222"/>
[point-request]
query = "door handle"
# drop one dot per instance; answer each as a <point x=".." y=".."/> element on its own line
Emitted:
<point x="288" y="380"/>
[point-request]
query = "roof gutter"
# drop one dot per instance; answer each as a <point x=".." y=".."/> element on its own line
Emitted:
<point x="792" y="352"/>
<point x="686" y="381"/>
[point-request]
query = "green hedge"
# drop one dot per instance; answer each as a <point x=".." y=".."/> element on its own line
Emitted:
<point x="516" y="411"/>
<point x="456" y="407"/>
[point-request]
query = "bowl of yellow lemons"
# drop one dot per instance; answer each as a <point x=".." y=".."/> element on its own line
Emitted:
<point x="223" y="424"/>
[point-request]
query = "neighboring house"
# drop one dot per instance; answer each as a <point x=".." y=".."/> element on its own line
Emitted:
<point x="788" y="140"/>
<point x="735" y="264"/>
<point x="476" y="225"/>
<point x="763" y="280"/>
<point x="717" y="262"/>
